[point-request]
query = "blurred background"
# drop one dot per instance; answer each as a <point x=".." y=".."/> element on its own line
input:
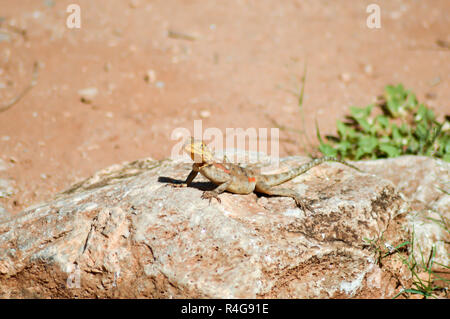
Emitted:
<point x="114" y="89"/>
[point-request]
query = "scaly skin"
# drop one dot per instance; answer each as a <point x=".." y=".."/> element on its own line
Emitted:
<point x="238" y="180"/>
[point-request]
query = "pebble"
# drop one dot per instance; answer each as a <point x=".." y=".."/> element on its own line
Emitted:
<point x="160" y="84"/>
<point x="150" y="76"/>
<point x="205" y="114"/>
<point x="88" y="94"/>
<point x="368" y="69"/>
<point x="345" y="77"/>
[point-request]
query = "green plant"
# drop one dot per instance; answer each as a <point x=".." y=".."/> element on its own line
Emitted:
<point x="425" y="281"/>
<point x="401" y="125"/>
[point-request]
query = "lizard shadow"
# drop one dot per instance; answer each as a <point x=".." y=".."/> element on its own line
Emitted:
<point x="203" y="186"/>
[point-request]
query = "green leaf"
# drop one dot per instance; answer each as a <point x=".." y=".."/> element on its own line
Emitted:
<point x="390" y="150"/>
<point x="447" y="145"/>
<point x="318" y="133"/>
<point x="415" y="291"/>
<point x="396" y="135"/>
<point x="327" y="149"/>
<point x="345" y="131"/>
<point x="447" y="157"/>
<point x="343" y="147"/>
<point x="422" y="132"/>
<point x="368" y="143"/>
<point x="383" y="120"/>
<point x="359" y="113"/>
<point x="366" y="127"/>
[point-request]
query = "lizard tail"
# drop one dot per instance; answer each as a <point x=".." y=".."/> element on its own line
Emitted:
<point x="284" y="177"/>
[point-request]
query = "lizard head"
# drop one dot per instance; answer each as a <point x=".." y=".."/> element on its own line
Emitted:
<point x="198" y="151"/>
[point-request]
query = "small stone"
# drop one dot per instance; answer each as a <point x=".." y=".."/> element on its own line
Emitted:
<point x="36" y="14"/>
<point x="88" y="94"/>
<point x="345" y="77"/>
<point x="205" y="114"/>
<point x="6" y="138"/>
<point x="368" y="69"/>
<point x="160" y="84"/>
<point x="150" y="76"/>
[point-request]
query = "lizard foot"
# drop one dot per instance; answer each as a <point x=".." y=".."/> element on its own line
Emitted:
<point x="210" y="195"/>
<point x="303" y="205"/>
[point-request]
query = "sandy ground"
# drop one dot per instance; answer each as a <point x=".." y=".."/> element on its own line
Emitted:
<point x="238" y="63"/>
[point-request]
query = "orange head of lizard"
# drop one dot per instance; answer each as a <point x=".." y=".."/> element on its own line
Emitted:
<point x="198" y="151"/>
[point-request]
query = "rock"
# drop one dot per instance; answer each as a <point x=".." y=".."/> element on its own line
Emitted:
<point x="150" y="76"/>
<point x="422" y="180"/>
<point x="368" y="69"/>
<point x="125" y="232"/>
<point x="204" y="114"/>
<point x="88" y="94"/>
<point x="345" y="77"/>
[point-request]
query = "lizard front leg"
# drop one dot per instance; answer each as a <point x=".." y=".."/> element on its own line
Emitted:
<point x="215" y="193"/>
<point x="266" y="189"/>
<point x="188" y="181"/>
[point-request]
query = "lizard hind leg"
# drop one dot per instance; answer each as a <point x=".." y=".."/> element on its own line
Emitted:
<point x="284" y="192"/>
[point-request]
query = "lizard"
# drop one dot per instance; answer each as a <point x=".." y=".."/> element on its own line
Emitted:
<point x="244" y="180"/>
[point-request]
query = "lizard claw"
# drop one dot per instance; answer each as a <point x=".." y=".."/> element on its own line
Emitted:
<point x="210" y="195"/>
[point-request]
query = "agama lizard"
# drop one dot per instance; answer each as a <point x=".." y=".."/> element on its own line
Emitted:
<point x="239" y="180"/>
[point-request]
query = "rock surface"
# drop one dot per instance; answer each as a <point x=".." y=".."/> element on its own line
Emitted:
<point x="125" y="232"/>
